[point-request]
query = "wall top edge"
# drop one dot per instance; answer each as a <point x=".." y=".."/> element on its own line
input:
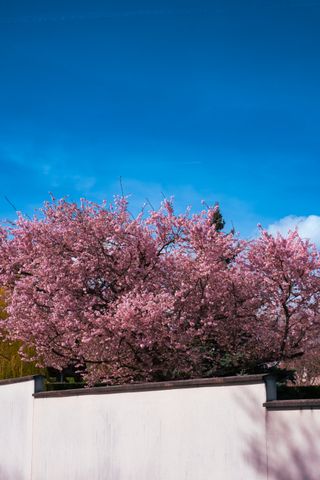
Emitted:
<point x="169" y="385"/>
<point x="298" y="404"/>
<point x="28" y="378"/>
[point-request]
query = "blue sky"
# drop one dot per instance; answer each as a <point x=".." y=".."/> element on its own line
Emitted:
<point x="216" y="100"/>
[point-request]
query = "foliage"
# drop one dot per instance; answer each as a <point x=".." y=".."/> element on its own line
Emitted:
<point x="307" y="368"/>
<point x="217" y="218"/>
<point x="11" y="365"/>
<point x="285" y="392"/>
<point x="168" y="296"/>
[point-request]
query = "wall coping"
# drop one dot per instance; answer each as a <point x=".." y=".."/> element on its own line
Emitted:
<point x="296" y="404"/>
<point x="38" y="381"/>
<point x="170" y="385"/>
<point x="27" y="378"/>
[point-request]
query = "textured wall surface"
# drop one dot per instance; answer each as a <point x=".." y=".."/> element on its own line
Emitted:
<point x="210" y="431"/>
<point x="16" y="417"/>
<point x="294" y="444"/>
<point x="183" y="434"/>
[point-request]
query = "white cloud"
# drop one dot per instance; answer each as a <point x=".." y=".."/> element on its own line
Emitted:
<point x="308" y="227"/>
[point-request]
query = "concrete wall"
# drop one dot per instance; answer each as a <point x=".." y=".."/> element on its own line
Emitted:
<point x="293" y="444"/>
<point x="174" y="434"/>
<point x="190" y="430"/>
<point x="16" y="418"/>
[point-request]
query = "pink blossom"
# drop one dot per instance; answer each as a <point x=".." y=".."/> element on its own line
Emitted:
<point x="162" y="297"/>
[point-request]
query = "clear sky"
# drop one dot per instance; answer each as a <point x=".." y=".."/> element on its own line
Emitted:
<point x="216" y="100"/>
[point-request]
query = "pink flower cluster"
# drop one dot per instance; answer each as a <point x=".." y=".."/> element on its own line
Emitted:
<point x="163" y="297"/>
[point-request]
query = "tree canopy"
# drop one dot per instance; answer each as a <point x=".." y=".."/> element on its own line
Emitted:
<point x="155" y="297"/>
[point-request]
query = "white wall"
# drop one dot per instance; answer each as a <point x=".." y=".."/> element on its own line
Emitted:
<point x="16" y="416"/>
<point x="294" y="444"/>
<point x="212" y="432"/>
<point x="183" y="434"/>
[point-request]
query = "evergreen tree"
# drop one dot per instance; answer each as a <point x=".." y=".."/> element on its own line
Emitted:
<point x="217" y="218"/>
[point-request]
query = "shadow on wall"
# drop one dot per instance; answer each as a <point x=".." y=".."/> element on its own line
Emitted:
<point x="291" y="448"/>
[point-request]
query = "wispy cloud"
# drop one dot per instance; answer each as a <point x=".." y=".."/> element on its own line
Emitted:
<point x="83" y="183"/>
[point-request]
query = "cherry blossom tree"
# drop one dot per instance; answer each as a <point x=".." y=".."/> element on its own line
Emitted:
<point x="156" y="297"/>
<point x="283" y="281"/>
